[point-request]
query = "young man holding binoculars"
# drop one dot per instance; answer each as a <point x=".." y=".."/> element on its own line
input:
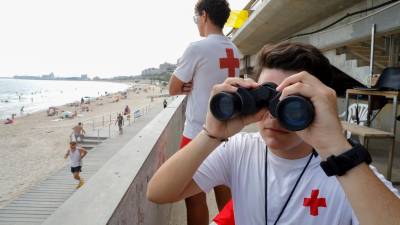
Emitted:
<point x="277" y="176"/>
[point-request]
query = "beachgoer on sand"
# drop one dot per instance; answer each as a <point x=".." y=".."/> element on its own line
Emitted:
<point x="76" y="154"/>
<point x="120" y="121"/>
<point x="127" y="112"/>
<point x="10" y="121"/>
<point x="165" y="103"/>
<point x="78" y="132"/>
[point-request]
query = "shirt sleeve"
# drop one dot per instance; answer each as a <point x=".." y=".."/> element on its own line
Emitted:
<point x="187" y="64"/>
<point x="215" y="169"/>
<point x="387" y="183"/>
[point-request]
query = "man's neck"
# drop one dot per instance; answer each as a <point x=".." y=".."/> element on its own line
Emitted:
<point x="297" y="152"/>
<point x="213" y="30"/>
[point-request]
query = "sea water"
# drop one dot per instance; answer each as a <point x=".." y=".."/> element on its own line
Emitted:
<point x="37" y="95"/>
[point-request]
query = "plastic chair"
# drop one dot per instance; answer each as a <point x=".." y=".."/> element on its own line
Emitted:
<point x="352" y="115"/>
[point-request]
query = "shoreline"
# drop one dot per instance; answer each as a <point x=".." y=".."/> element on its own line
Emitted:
<point x="43" y="106"/>
<point x="32" y="148"/>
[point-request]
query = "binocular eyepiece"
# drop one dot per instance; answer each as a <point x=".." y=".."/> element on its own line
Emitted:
<point x="294" y="112"/>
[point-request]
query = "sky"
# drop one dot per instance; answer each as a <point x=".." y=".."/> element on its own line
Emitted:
<point x="96" y="37"/>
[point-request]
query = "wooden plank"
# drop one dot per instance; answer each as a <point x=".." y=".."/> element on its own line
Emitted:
<point x="37" y="208"/>
<point x="387" y="94"/>
<point x="41" y="200"/>
<point x="29" y="220"/>
<point x="26" y="212"/>
<point x="44" y="196"/>
<point x="20" y="223"/>
<point x="27" y="216"/>
<point x="365" y="131"/>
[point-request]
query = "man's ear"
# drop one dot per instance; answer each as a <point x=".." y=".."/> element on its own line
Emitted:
<point x="205" y="16"/>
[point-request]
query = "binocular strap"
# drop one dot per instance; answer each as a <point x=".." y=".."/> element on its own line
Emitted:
<point x="314" y="153"/>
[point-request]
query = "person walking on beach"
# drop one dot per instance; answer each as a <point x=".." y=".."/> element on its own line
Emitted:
<point x="120" y="121"/>
<point x="203" y="64"/>
<point x="76" y="154"/>
<point x="127" y="113"/>
<point x="165" y="103"/>
<point x="78" y="132"/>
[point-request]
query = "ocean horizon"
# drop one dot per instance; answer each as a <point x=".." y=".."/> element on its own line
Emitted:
<point x="38" y="95"/>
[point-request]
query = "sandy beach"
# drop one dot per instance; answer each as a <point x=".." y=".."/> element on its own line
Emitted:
<point x="32" y="148"/>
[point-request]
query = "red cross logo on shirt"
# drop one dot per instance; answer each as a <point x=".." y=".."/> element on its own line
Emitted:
<point x="314" y="202"/>
<point x="229" y="62"/>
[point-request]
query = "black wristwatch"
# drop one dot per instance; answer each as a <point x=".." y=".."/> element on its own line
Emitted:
<point x="339" y="165"/>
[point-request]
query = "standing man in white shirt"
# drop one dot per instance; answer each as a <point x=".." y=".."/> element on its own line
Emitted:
<point x="312" y="176"/>
<point x="204" y="64"/>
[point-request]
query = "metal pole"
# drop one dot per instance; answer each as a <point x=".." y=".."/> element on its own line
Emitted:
<point x="103" y="121"/>
<point x="109" y="130"/>
<point x="347" y="106"/>
<point x="93" y="124"/>
<point x="371" y="58"/>
<point x="98" y="134"/>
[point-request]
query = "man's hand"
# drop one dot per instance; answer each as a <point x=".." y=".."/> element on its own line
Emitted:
<point x="225" y="129"/>
<point x="325" y="132"/>
<point x="187" y="88"/>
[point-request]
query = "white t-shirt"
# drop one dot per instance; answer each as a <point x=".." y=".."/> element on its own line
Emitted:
<point x="75" y="157"/>
<point x="240" y="165"/>
<point x="206" y="63"/>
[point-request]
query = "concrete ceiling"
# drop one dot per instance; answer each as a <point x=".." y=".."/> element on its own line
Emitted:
<point x="277" y="19"/>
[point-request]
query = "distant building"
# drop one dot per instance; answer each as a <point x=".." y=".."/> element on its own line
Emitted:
<point x="167" y="67"/>
<point x="25" y="77"/>
<point x="163" y="68"/>
<point x="84" y="77"/>
<point x="151" y="71"/>
<point x="48" y="77"/>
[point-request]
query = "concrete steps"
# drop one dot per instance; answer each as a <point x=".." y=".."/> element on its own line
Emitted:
<point x="354" y="59"/>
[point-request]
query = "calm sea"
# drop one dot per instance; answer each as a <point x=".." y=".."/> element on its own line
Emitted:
<point x="36" y="95"/>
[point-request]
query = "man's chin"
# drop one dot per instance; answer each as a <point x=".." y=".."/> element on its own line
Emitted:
<point x="279" y="142"/>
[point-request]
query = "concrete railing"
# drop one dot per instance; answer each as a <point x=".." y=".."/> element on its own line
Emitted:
<point x="116" y="194"/>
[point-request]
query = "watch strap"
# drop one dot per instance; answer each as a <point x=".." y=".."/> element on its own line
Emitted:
<point x="339" y="165"/>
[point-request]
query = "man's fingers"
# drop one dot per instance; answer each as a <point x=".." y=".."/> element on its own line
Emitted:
<point x="302" y="77"/>
<point x="245" y="83"/>
<point x="223" y="87"/>
<point x="298" y="89"/>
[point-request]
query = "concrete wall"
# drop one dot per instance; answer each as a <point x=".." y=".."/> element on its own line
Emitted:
<point x="336" y="36"/>
<point x="116" y="194"/>
<point x="353" y="29"/>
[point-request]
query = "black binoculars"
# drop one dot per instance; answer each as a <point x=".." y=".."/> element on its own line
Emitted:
<point x="294" y="112"/>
